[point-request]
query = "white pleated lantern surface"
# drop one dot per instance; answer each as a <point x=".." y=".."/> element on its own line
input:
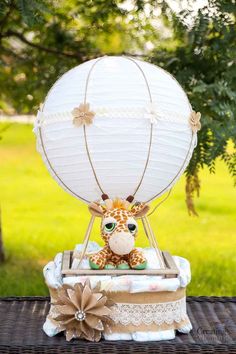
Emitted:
<point x="140" y="140"/>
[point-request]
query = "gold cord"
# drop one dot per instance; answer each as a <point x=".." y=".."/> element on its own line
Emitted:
<point x="162" y="201"/>
<point x="177" y="174"/>
<point x="85" y="135"/>
<point x="53" y="170"/>
<point x="151" y="127"/>
<point x="85" y="132"/>
<point x="90" y="160"/>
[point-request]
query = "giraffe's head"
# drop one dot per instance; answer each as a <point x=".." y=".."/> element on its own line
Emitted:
<point x="118" y="226"/>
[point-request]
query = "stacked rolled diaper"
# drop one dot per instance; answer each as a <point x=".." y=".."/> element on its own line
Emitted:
<point x="142" y="307"/>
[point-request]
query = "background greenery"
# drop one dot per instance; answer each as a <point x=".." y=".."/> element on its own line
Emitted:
<point x="40" y="220"/>
<point x="39" y="41"/>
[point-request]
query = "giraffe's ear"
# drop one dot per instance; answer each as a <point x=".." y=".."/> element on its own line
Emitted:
<point x="96" y="210"/>
<point x="139" y="210"/>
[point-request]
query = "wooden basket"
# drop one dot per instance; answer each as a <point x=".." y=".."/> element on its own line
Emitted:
<point x="169" y="270"/>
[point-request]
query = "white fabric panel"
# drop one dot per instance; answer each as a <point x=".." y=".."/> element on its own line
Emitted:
<point x="118" y="144"/>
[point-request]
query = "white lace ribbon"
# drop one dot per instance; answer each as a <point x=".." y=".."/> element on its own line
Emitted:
<point x="159" y="313"/>
<point x="150" y="112"/>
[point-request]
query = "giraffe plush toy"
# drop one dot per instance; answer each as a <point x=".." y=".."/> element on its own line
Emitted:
<point x="118" y="230"/>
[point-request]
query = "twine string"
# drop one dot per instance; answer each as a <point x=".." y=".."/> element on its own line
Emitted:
<point x="159" y="204"/>
<point x="151" y="126"/>
<point x="53" y="170"/>
<point x="84" y="127"/>
<point x="177" y="174"/>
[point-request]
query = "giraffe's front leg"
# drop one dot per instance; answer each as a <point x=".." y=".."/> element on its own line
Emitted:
<point x="112" y="261"/>
<point x="137" y="259"/>
<point x="99" y="259"/>
<point x="123" y="263"/>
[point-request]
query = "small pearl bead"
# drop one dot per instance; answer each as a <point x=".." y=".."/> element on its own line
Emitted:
<point x="80" y="315"/>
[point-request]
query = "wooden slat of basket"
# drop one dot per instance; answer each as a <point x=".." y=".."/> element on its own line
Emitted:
<point x="66" y="261"/>
<point x="118" y="272"/>
<point x="170" y="270"/>
<point x="170" y="263"/>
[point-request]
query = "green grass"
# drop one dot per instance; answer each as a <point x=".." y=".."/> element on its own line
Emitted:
<point x="40" y="219"/>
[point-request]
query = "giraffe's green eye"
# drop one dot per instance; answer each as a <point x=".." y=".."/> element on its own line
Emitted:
<point x="109" y="227"/>
<point x="132" y="228"/>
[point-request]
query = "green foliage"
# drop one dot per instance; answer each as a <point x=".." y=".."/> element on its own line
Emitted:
<point x="204" y="63"/>
<point x="42" y="220"/>
<point x="41" y="39"/>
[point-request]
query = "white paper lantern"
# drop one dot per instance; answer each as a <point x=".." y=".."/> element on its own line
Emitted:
<point x="140" y="140"/>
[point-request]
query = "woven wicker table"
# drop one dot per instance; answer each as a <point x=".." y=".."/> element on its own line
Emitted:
<point x="213" y="319"/>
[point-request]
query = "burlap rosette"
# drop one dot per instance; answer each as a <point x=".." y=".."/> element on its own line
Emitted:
<point x="82" y="312"/>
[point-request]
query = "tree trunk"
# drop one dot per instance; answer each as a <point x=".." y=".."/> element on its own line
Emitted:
<point x="2" y="256"/>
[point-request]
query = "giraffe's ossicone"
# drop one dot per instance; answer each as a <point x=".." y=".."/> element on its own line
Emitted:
<point x="119" y="231"/>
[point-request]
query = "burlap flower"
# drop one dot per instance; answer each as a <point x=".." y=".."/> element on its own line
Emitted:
<point x="82" y="115"/>
<point x="194" y="121"/>
<point x="81" y="312"/>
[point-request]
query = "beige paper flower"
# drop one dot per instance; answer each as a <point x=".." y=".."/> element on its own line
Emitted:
<point x="81" y="312"/>
<point x="194" y="121"/>
<point x="82" y="115"/>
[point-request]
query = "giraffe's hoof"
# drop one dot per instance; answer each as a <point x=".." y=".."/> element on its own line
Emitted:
<point x="123" y="266"/>
<point x="141" y="266"/>
<point x="93" y="265"/>
<point x="110" y="266"/>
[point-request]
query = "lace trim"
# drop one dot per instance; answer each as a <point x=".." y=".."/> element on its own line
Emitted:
<point x="149" y="112"/>
<point x="137" y="314"/>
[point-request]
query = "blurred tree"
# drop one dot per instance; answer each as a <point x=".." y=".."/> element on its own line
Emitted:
<point x="203" y="61"/>
<point x="41" y="39"/>
<point x="2" y="255"/>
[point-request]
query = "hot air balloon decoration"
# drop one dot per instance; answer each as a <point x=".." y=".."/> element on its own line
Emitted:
<point x="117" y="133"/>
